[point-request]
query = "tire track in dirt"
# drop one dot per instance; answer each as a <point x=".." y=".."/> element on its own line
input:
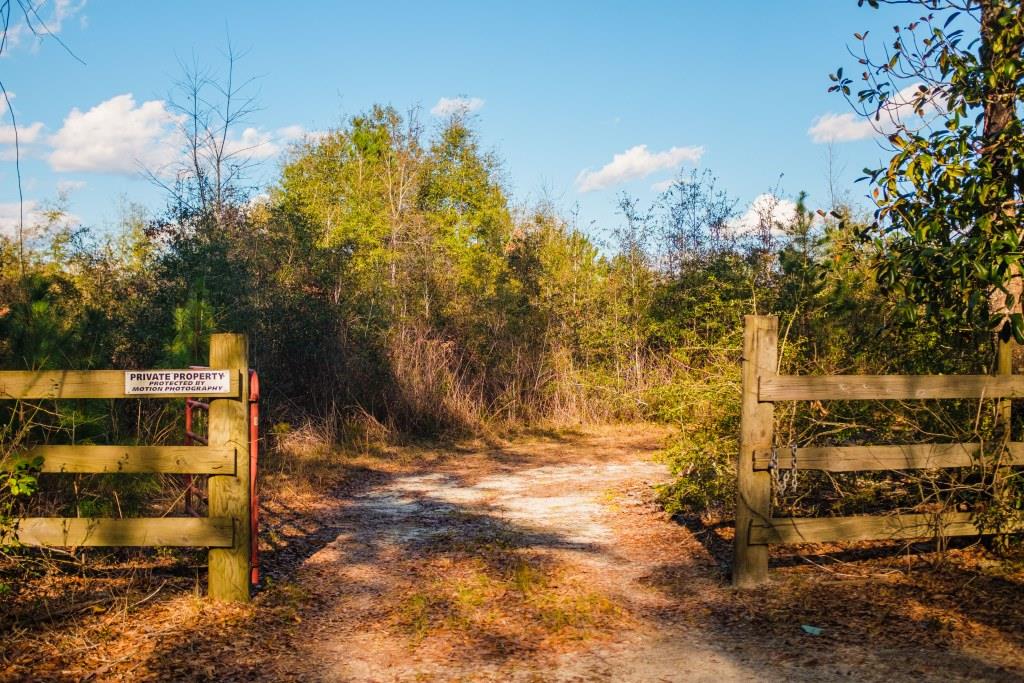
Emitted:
<point x="565" y="512"/>
<point x="543" y="559"/>
<point x="549" y="560"/>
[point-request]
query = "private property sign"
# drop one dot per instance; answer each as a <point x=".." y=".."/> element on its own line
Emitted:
<point x="156" y="382"/>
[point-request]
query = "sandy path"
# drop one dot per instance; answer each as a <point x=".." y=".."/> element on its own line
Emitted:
<point x="584" y="505"/>
<point x="422" y="582"/>
<point x="544" y="559"/>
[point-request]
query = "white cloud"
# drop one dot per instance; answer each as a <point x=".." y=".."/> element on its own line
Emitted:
<point x="257" y="144"/>
<point x="121" y="136"/>
<point x="253" y="143"/>
<point x="26" y="134"/>
<point x="635" y="163"/>
<point x="293" y="132"/>
<point x="44" y="23"/>
<point x="898" y="109"/>
<point x="63" y="10"/>
<point x="446" y="106"/>
<point x="116" y="136"/>
<point x="663" y="185"/>
<point x="37" y="219"/>
<point x="901" y="106"/>
<point x="765" y="209"/>
<point x="258" y="199"/>
<point x="65" y="186"/>
<point x="840" y="128"/>
<point x="9" y="216"/>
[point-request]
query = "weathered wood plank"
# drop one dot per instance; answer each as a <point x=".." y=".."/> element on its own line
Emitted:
<point x="888" y="387"/>
<point x="134" y="459"/>
<point x="197" y="532"/>
<point x="757" y="423"/>
<point x="870" y="458"/>
<point x="229" y="496"/>
<point x="1001" y="493"/>
<point x="786" y="530"/>
<point x="53" y="384"/>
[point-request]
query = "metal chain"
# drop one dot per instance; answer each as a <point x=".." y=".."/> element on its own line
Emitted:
<point x="784" y="482"/>
<point x="773" y="469"/>
<point x="792" y="469"/>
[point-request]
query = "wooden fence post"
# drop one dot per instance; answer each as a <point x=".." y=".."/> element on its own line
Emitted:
<point x="229" y="495"/>
<point x="757" y="423"/>
<point x="1001" y="477"/>
<point x="1004" y="366"/>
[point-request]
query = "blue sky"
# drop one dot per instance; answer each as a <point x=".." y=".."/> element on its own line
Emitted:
<point x="582" y="100"/>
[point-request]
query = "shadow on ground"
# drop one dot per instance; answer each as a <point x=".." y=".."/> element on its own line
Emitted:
<point x="896" y="606"/>
<point x="404" y="575"/>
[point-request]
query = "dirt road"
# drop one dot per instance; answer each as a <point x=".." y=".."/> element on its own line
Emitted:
<point x="548" y="560"/>
<point x="542" y="559"/>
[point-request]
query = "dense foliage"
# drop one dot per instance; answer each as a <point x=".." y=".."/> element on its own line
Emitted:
<point x="391" y="289"/>
<point x="947" y="93"/>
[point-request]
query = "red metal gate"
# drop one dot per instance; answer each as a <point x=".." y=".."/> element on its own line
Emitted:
<point x="192" y="438"/>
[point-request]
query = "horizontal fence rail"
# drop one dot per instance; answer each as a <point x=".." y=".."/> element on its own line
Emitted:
<point x="68" y="384"/>
<point x="868" y="458"/>
<point x="887" y="387"/>
<point x="191" y="532"/>
<point x="228" y="455"/>
<point x="785" y="530"/>
<point x="133" y="459"/>
<point x="756" y="528"/>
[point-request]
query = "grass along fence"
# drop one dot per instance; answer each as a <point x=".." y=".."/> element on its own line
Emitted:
<point x="756" y="529"/>
<point x="226" y="531"/>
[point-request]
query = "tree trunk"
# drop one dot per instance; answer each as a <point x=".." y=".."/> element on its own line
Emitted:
<point x="999" y="119"/>
<point x="999" y="114"/>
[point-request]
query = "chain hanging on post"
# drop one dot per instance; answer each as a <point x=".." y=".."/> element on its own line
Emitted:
<point x="783" y="481"/>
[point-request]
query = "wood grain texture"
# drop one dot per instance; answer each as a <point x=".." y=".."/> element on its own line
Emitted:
<point x="888" y="387"/>
<point x="900" y="457"/>
<point x="55" y="384"/>
<point x="1001" y="492"/>
<point x="229" y="496"/>
<point x="757" y="423"/>
<point x="197" y="532"/>
<point x="134" y="459"/>
<point x="867" y="528"/>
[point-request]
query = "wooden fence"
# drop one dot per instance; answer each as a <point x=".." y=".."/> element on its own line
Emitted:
<point x="756" y="529"/>
<point x="226" y="532"/>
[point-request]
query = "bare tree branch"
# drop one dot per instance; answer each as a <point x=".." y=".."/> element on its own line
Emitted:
<point x="28" y="12"/>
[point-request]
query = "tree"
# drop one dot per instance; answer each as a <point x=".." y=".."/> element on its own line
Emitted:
<point x="947" y="93"/>
<point x="696" y="218"/>
<point x="208" y="181"/>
